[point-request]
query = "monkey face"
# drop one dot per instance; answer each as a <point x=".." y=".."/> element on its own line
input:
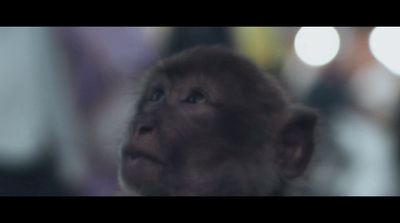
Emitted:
<point x="181" y="138"/>
<point x="207" y="123"/>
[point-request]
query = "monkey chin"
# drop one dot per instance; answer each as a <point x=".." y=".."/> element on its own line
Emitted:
<point x="139" y="172"/>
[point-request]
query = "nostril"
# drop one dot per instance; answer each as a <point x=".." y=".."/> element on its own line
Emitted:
<point x="145" y="129"/>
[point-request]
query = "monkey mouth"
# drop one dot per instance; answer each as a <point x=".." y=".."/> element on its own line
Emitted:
<point x="140" y="167"/>
<point x="134" y="155"/>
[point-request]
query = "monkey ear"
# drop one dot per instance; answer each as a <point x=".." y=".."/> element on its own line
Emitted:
<point x="297" y="141"/>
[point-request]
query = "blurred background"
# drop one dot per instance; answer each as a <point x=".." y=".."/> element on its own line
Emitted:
<point x="66" y="95"/>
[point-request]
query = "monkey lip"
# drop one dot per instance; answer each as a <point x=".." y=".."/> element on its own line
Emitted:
<point x="141" y="167"/>
<point x="135" y="155"/>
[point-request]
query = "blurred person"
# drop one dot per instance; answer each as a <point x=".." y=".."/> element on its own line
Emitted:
<point x="105" y="62"/>
<point x="41" y="146"/>
<point x="356" y="96"/>
<point x="365" y="128"/>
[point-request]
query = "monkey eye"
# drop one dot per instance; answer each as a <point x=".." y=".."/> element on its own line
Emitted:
<point x="157" y="95"/>
<point x="195" y="97"/>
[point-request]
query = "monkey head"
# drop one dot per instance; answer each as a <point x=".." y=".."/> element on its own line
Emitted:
<point x="209" y="122"/>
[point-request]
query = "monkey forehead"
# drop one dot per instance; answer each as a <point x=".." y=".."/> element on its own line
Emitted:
<point x="221" y="70"/>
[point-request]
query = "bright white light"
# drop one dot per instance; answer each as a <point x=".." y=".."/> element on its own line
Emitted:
<point x="384" y="43"/>
<point x="317" y="46"/>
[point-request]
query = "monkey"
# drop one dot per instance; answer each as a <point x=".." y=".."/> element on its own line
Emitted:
<point x="209" y="122"/>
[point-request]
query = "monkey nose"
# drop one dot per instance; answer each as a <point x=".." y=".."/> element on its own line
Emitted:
<point x="145" y="129"/>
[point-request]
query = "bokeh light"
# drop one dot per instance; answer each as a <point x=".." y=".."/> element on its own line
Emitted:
<point x="384" y="43"/>
<point x="317" y="46"/>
